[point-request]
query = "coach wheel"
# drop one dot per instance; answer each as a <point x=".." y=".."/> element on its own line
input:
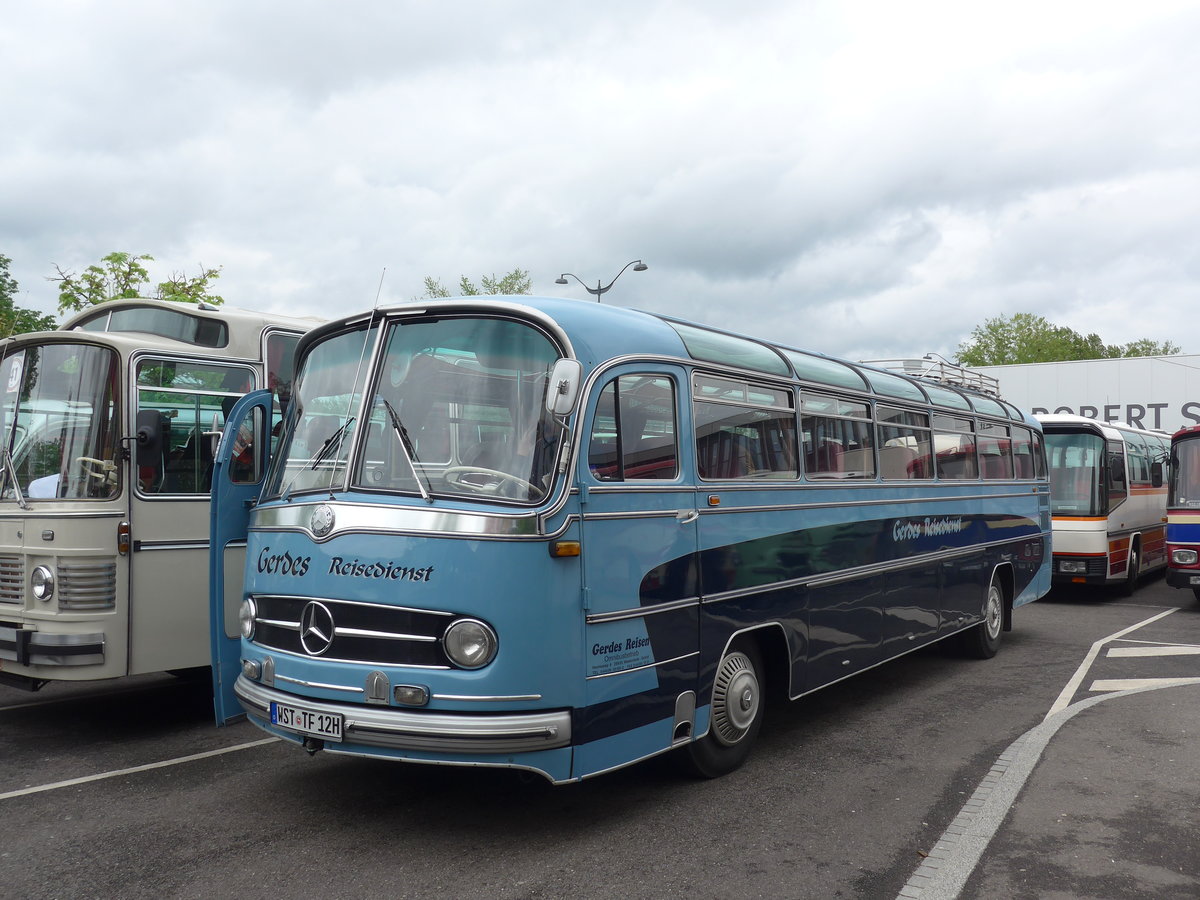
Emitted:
<point x="1131" y="573"/>
<point x="736" y="716"/>
<point x="983" y="640"/>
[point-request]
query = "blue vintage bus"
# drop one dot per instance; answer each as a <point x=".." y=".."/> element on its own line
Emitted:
<point x="564" y="537"/>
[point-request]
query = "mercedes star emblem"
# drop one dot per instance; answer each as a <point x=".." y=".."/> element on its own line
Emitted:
<point x="321" y="522"/>
<point x="316" y="628"/>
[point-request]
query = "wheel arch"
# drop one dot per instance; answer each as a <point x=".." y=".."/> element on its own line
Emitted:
<point x="770" y="639"/>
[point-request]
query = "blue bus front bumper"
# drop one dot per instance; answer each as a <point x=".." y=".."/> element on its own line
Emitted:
<point x="389" y="728"/>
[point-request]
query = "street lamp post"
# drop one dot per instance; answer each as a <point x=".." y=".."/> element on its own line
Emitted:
<point x="638" y="266"/>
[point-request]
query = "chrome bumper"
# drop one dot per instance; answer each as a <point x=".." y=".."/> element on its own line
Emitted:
<point x="396" y="729"/>
<point x="43" y="648"/>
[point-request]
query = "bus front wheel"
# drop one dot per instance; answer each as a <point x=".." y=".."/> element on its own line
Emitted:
<point x="736" y="714"/>
<point x="983" y="640"/>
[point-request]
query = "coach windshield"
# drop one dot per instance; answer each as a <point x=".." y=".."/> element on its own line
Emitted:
<point x="456" y="409"/>
<point x="59" y="422"/>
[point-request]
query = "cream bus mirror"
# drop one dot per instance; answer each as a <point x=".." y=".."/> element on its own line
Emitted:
<point x="1156" y="474"/>
<point x="149" y="437"/>
<point x="563" y="389"/>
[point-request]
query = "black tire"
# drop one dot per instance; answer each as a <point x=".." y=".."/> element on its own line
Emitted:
<point x="983" y="640"/>
<point x="1196" y="593"/>
<point x="737" y="714"/>
<point x="1132" y="571"/>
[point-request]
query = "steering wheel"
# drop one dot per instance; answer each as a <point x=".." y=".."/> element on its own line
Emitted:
<point x="100" y="469"/>
<point x="455" y="475"/>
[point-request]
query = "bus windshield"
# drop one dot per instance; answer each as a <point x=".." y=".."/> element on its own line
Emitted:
<point x="457" y="409"/>
<point x="1184" y="492"/>
<point x="1076" y="462"/>
<point x="59" y="419"/>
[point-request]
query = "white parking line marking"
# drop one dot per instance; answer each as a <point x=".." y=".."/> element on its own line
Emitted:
<point x="1165" y="650"/>
<point x="953" y="858"/>
<point x="1130" y="684"/>
<point x="1064" y="699"/>
<point x="37" y="789"/>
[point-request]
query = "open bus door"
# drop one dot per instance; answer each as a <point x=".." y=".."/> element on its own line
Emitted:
<point x="239" y="467"/>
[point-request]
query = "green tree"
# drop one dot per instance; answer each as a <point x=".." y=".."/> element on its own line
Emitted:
<point x="515" y="282"/>
<point x="122" y="275"/>
<point x="1027" y="338"/>
<point x="16" y="319"/>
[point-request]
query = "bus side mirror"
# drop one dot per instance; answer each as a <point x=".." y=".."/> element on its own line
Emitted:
<point x="149" y="437"/>
<point x="1156" y="474"/>
<point x="563" y="389"/>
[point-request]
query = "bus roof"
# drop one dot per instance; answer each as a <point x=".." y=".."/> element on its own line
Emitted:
<point x="170" y="326"/>
<point x="595" y="333"/>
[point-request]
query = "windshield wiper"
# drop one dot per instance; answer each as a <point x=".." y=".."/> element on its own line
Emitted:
<point x="10" y="470"/>
<point x="410" y="454"/>
<point x="329" y="446"/>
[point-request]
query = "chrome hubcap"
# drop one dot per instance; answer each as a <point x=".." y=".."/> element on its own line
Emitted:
<point x="735" y="699"/>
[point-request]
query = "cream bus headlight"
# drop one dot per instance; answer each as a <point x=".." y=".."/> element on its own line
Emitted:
<point x="247" y="613"/>
<point x="470" y="643"/>
<point x="1184" y="557"/>
<point x="41" y="582"/>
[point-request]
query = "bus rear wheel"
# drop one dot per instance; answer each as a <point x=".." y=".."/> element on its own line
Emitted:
<point x="1132" y="571"/>
<point x="983" y="640"/>
<point x="736" y="714"/>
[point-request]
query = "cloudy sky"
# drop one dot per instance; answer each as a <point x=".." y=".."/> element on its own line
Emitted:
<point x="867" y="179"/>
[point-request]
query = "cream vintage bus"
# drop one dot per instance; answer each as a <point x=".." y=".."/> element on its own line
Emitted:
<point x="107" y="431"/>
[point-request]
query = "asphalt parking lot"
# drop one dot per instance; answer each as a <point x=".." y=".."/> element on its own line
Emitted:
<point x="1065" y="767"/>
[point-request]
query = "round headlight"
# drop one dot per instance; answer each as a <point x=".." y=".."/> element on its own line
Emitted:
<point x="1184" y="557"/>
<point x="247" y="613"/>
<point x="470" y="643"/>
<point x="42" y="583"/>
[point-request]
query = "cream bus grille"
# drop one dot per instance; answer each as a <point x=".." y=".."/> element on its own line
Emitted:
<point x="12" y="579"/>
<point x="87" y="584"/>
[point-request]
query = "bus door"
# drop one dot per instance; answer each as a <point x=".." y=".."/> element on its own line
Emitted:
<point x="240" y="464"/>
<point x="176" y="401"/>
<point x="639" y="561"/>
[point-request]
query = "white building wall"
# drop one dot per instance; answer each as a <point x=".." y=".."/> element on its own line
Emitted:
<point x="1160" y="392"/>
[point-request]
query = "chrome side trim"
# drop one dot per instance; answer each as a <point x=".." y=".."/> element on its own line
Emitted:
<point x="430" y="731"/>
<point x="359" y="518"/>
<point x="141" y="546"/>
<point x="653" y="665"/>
<point x="638" y="611"/>
<point x="866" y="571"/>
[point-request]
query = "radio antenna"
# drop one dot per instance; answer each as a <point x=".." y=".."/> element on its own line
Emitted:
<point x="358" y="371"/>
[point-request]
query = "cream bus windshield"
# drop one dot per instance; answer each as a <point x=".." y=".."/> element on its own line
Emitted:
<point x="59" y="422"/>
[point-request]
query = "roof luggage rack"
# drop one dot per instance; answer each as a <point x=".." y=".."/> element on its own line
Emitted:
<point x="937" y="368"/>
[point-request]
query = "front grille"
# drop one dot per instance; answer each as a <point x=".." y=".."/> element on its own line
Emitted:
<point x="87" y="583"/>
<point x="12" y="579"/>
<point x="362" y="632"/>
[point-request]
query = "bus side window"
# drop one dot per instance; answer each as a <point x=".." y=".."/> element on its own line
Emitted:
<point x="633" y="430"/>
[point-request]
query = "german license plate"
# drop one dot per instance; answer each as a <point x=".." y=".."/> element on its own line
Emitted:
<point x="1194" y="579"/>
<point x="304" y="721"/>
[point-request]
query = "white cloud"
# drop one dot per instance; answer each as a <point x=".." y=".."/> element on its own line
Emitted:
<point x="863" y="178"/>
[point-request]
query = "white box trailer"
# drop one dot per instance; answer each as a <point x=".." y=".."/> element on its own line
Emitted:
<point x="1155" y="392"/>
